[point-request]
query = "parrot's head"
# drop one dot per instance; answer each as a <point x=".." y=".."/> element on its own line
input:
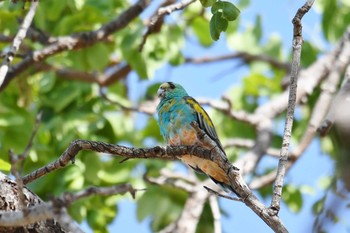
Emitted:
<point x="170" y="90"/>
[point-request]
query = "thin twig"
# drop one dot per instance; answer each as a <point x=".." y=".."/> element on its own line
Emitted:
<point x="140" y="109"/>
<point x="157" y="19"/>
<point x="14" y="170"/>
<point x="222" y="195"/>
<point x="17" y="163"/>
<point x="225" y="107"/>
<point x="297" y="45"/>
<point x="248" y="143"/>
<point x="244" y="56"/>
<point x="17" y="40"/>
<point x="164" y="180"/>
<point x="24" y="155"/>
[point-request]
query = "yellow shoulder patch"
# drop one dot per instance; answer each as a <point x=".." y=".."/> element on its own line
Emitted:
<point x="200" y="110"/>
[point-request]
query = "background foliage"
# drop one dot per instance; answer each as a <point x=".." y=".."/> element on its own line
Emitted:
<point x="76" y="108"/>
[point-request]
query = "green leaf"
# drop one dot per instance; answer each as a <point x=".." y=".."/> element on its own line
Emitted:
<point x="318" y="206"/>
<point x="92" y="166"/>
<point x="78" y="210"/>
<point x="97" y="56"/>
<point x="329" y="14"/>
<point x="4" y="165"/>
<point x="325" y="182"/>
<point x="10" y="119"/>
<point x="96" y="219"/>
<point x="293" y="198"/>
<point x="131" y="54"/>
<point x="243" y="3"/>
<point x="230" y="11"/>
<point x="200" y="28"/>
<point x="218" y="24"/>
<point x="257" y="31"/>
<point x="309" y="54"/>
<point x="217" y="7"/>
<point x="207" y="3"/>
<point x="66" y="94"/>
<point x="54" y="9"/>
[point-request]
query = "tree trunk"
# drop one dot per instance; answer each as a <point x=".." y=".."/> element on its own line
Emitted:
<point x="9" y="201"/>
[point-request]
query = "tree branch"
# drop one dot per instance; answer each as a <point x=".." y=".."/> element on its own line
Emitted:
<point x="333" y="113"/>
<point x="297" y="44"/>
<point x="248" y="143"/>
<point x="52" y="209"/>
<point x="157" y="19"/>
<point x="167" y="179"/>
<point x="77" y="41"/>
<point x="342" y="53"/>
<point x="17" y="41"/>
<point x="171" y="152"/>
<point x="244" y="56"/>
<point x="215" y="210"/>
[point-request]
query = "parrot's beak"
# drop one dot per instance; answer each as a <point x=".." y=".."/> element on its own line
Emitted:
<point x="161" y="93"/>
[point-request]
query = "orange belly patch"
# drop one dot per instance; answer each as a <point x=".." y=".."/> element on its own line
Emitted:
<point x="188" y="137"/>
<point x="208" y="167"/>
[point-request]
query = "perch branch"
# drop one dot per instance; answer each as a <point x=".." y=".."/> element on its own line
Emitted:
<point x="171" y="152"/>
<point x="297" y="45"/>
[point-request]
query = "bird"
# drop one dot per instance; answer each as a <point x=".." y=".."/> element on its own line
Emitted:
<point x="176" y="111"/>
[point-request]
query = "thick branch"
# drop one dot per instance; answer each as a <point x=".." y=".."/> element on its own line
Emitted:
<point x="52" y="209"/>
<point x="126" y="152"/>
<point x="168" y="153"/>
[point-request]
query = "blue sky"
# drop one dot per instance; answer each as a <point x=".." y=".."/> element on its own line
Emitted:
<point x="276" y="19"/>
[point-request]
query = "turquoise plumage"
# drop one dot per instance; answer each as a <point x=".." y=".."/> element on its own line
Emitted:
<point x="176" y="111"/>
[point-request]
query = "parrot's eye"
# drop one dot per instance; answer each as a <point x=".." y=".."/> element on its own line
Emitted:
<point x="171" y="85"/>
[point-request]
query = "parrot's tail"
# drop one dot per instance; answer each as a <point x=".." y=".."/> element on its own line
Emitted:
<point x="226" y="187"/>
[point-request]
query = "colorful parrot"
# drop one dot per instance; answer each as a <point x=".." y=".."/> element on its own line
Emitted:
<point x="176" y="111"/>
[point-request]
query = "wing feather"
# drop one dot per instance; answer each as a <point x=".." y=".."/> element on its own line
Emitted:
<point x="204" y="121"/>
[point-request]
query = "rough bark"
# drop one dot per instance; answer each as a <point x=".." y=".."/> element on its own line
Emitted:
<point x="9" y="201"/>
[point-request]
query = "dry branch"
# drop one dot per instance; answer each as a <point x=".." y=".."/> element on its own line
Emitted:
<point x="339" y="58"/>
<point x="297" y="44"/>
<point x="336" y="111"/>
<point x="55" y="209"/>
<point x="157" y="19"/>
<point x="171" y="152"/>
<point x="246" y="57"/>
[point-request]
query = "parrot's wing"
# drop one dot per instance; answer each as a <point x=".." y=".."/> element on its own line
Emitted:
<point x="204" y="121"/>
